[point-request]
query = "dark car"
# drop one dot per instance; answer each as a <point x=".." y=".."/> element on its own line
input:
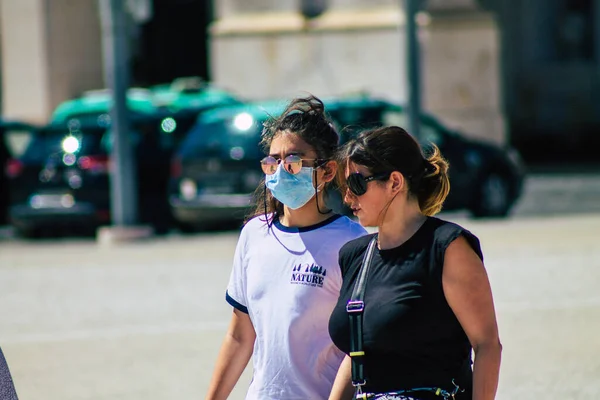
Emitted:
<point x="14" y="136"/>
<point x="485" y="178"/>
<point x="216" y="168"/>
<point x="61" y="181"/>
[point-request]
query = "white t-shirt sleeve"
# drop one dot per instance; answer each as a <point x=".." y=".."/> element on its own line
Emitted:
<point x="236" y="289"/>
<point x="359" y="231"/>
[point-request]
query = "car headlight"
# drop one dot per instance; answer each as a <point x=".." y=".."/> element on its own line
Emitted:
<point x="70" y="144"/>
<point x="243" y="122"/>
<point x="188" y="189"/>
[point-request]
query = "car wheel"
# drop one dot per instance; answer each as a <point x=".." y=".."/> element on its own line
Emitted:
<point x="494" y="197"/>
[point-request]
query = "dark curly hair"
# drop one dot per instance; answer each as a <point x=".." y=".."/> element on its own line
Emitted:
<point x="306" y="118"/>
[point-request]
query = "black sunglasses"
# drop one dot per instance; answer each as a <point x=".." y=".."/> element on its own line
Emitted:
<point x="358" y="183"/>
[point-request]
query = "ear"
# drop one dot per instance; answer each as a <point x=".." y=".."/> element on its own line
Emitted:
<point x="329" y="171"/>
<point x="397" y="182"/>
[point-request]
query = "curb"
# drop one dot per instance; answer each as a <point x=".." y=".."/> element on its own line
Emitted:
<point x="108" y="235"/>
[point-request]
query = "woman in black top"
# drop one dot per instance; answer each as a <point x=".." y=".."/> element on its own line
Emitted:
<point x="427" y="301"/>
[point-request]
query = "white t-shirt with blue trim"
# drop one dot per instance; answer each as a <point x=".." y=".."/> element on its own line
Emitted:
<point x="288" y="281"/>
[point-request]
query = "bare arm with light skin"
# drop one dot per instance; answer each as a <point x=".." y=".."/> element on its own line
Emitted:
<point x="342" y="386"/>
<point x="468" y="292"/>
<point x="234" y="355"/>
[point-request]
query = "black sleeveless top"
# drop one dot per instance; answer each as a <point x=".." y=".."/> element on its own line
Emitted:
<point x="411" y="336"/>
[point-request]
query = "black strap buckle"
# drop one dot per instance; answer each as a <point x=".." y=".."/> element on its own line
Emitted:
<point x="360" y="384"/>
<point x="355" y="306"/>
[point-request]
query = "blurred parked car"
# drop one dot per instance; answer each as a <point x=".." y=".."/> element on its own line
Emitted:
<point x="61" y="181"/>
<point x="97" y="103"/>
<point x="191" y="94"/>
<point x="216" y="167"/>
<point x="184" y="96"/>
<point x="14" y="136"/>
<point x="215" y="170"/>
<point x="485" y="179"/>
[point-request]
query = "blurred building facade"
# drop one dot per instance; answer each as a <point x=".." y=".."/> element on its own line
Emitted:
<point x="51" y="50"/>
<point x="519" y="71"/>
<point x="265" y="48"/>
<point x="550" y="60"/>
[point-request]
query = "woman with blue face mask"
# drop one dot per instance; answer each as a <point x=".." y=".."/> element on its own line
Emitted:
<point x="286" y="277"/>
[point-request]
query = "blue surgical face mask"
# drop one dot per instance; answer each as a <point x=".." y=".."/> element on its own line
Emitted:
<point x="293" y="191"/>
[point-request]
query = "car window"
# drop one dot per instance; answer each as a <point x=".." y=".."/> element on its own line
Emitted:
<point x="362" y="116"/>
<point x="350" y="121"/>
<point x="48" y="143"/>
<point x="429" y="133"/>
<point x="77" y="120"/>
<point x="164" y="133"/>
<point x="174" y="128"/>
<point x="232" y="138"/>
<point x="394" y="117"/>
<point x="108" y="140"/>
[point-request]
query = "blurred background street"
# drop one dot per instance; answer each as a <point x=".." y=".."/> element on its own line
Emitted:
<point x="145" y="320"/>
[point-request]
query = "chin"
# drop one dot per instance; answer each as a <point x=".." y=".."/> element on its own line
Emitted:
<point x="366" y="222"/>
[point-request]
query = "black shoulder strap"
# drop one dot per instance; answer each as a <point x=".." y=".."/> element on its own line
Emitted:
<point x="355" y="309"/>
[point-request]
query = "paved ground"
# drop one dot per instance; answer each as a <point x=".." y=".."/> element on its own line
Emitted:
<point x="559" y="193"/>
<point x="145" y="320"/>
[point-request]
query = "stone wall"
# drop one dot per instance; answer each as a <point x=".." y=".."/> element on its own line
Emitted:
<point x="461" y="74"/>
<point x="277" y="53"/>
<point x="51" y="51"/>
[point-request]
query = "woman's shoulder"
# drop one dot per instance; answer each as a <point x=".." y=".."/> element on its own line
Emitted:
<point x="352" y="252"/>
<point x="255" y="227"/>
<point x="445" y="232"/>
<point x="336" y="226"/>
<point x="257" y="223"/>
<point x="356" y="246"/>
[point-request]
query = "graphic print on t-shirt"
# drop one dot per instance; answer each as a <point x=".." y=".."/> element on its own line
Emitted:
<point x="308" y="274"/>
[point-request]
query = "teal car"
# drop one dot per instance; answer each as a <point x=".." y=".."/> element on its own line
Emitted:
<point x="191" y="94"/>
<point x="182" y="101"/>
<point x="182" y="96"/>
<point x="94" y="106"/>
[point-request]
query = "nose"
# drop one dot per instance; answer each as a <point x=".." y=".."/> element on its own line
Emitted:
<point x="349" y="196"/>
